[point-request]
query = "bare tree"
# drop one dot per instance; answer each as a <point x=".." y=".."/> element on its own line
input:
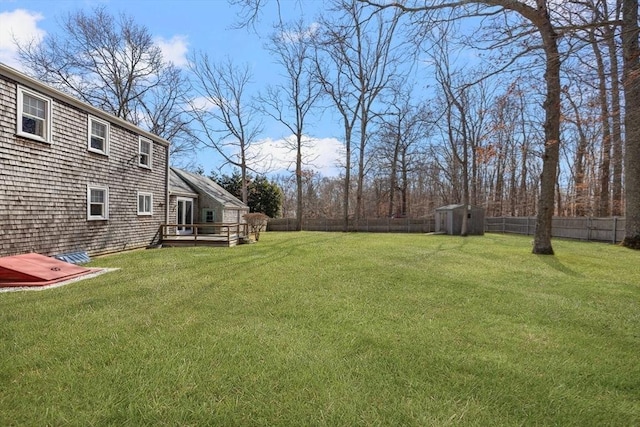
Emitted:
<point x="456" y="123"/>
<point x="578" y="117"/>
<point x="616" y="108"/>
<point x="403" y="126"/>
<point x="596" y="24"/>
<point x="361" y="61"/>
<point x="164" y="112"/>
<point x="290" y="102"/>
<point x="228" y="122"/>
<point x="335" y="86"/>
<point x="501" y="150"/>
<point x="631" y="83"/>
<point x="539" y="19"/>
<point x="113" y="64"/>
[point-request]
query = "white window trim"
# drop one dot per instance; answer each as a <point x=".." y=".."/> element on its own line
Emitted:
<point x="106" y="203"/>
<point x="20" y="100"/>
<point x="106" y="139"/>
<point x="145" y="194"/>
<point x="150" y="142"/>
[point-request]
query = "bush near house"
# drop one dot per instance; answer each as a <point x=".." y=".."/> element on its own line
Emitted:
<point x="257" y="222"/>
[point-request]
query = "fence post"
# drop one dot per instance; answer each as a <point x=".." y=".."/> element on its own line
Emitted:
<point x="503" y="224"/>
<point x="588" y="229"/>
<point x="615" y="229"/>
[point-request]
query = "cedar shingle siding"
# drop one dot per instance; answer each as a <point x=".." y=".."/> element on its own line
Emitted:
<point x="43" y="187"/>
<point x="206" y="194"/>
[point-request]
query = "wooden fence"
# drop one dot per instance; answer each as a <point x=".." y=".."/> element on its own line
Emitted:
<point x="374" y="225"/>
<point x="583" y="228"/>
<point x="580" y="228"/>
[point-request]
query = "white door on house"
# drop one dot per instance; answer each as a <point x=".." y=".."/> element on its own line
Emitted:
<point x="185" y="215"/>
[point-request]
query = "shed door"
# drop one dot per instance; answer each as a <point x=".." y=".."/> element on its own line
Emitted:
<point x="185" y="215"/>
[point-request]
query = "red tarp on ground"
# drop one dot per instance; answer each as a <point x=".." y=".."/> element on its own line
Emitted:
<point x="37" y="270"/>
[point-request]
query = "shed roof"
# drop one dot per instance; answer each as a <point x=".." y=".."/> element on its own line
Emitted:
<point x="204" y="185"/>
<point x="449" y="207"/>
<point x="456" y="206"/>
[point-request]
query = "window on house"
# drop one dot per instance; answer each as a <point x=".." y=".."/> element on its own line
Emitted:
<point x="34" y="115"/>
<point x="98" y="136"/>
<point x="97" y="203"/>
<point x="145" y="203"/>
<point x="209" y="215"/>
<point x="146" y="153"/>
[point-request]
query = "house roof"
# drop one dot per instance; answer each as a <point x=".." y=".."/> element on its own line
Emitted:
<point x="203" y="185"/>
<point x="32" y="83"/>
<point x="178" y="186"/>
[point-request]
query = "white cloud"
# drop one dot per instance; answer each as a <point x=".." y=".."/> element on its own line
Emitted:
<point x="203" y="103"/>
<point x="295" y="36"/>
<point x="323" y="155"/>
<point x="174" y="50"/>
<point x="19" y="25"/>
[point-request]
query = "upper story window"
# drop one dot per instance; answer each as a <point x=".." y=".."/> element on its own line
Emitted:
<point x="34" y="115"/>
<point x="146" y="153"/>
<point x="98" y="136"/>
<point x="145" y="203"/>
<point x="97" y="203"/>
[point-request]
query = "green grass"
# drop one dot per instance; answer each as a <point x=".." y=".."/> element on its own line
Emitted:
<point x="332" y="329"/>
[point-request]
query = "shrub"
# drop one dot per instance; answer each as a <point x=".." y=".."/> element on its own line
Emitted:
<point x="257" y="221"/>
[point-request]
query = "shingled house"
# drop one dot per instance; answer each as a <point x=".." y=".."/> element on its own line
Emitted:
<point x="72" y="177"/>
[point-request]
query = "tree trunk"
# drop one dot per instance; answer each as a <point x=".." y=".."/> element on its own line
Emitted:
<point x="405" y="183"/>
<point x="245" y="184"/>
<point x="347" y="177"/>
<point x="616" y="137"/>
<point x="299" y="208"/>
<point x="361" y="161"/>
<point x="551" y="156"/>
<point x="393" y="178"/>
<point x="580" y="193"/>
<point x="465" y="177"/>
<point x="498" y="192"/>
<point x="605" y="160"/>
<point x="631" y="84"/>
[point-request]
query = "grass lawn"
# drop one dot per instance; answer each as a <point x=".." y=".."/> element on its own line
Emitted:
<point x="332" y="329"/>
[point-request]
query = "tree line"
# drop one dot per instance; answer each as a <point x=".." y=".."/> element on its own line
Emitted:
<point x="523" y="107"/>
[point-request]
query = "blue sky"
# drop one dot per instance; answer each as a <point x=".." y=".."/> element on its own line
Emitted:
<point x="180" y="27"/>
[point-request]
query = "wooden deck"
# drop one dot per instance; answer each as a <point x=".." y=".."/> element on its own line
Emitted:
<point x="209" y="234"/>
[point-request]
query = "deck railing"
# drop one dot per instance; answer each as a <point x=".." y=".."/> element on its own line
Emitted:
<point x="206" y="230"/>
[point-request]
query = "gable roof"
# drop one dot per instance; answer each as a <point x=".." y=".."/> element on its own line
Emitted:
<point x="203" y="185"/>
